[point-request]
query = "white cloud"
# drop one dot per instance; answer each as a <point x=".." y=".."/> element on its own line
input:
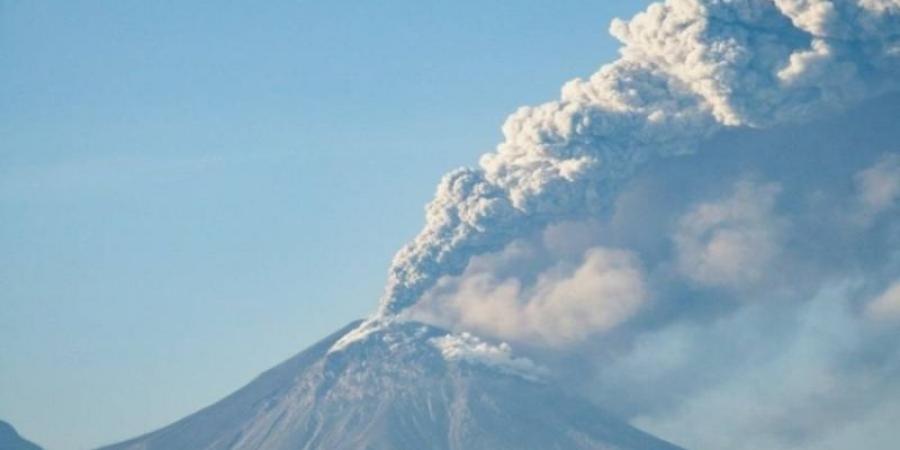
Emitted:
<point x="767" y="377"/>
<point x="731" y="242"/>
<point x="886" y="306"/>
<point x="470" y="348"/>
<point x="688" y="68"/>
<point x="881" y="6"/>
<point x="563" y="304"/>
<point x="604" y="292"/>
<point x="879" y="186"/>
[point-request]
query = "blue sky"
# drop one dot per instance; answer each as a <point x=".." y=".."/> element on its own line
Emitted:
<point x="192" y="193"/>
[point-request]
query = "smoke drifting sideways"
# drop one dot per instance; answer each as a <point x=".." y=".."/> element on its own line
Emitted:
<point x="702" y="236"/>
<point x="745" y="297"/>
<point x="688" y="68"/>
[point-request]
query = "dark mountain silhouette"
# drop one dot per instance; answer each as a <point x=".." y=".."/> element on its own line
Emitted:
<point x="10" y="439"/>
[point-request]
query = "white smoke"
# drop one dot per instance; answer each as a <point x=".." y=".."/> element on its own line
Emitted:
<point x="769" y="318"/>
<point x="731" y="242"/>
<point x="886" y="306"/>
<point x="565" y="303"/>
<point x="789" y="386"/>
<point x="469" y="348"/>
<point x="692" y="297"/>
<point x="879" y="187"/>
<point x="687" y="69"/>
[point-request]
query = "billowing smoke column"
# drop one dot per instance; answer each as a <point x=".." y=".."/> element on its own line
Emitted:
<point x="688" y="68"/>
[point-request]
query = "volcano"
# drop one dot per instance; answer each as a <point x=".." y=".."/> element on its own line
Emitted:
<point x="406" y="386"/>
<point x="10" y="439"/>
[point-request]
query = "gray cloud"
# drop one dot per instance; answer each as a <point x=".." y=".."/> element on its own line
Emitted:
<point x="799" y="375"/>
<point x="688" y="68"/>
<point x="886" y="306"/>
<point x="774" y="345"/>
<point x="731" y="242"/>
<point x="565" y="302"/>
<point x="878" y="187"/>
<point x="702" y="236"/>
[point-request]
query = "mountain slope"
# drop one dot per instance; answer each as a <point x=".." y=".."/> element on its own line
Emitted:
<point x="10" y="439"/>
<point x="408" y="386"/>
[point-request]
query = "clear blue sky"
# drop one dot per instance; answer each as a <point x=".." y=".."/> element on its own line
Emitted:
<point x="191" y="193"/>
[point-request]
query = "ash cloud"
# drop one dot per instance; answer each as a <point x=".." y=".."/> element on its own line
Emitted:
<point x="784" y="340"/>
<point x="563" y="303"/>
<point x="688" y="68"/>
<point x="702" y="236"/>
<point x="731" y="242"/>
<point x="878" y="187"/>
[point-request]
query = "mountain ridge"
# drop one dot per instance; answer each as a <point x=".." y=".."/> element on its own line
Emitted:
<point x="406" y="386"/>
<point x="11" y="440"/>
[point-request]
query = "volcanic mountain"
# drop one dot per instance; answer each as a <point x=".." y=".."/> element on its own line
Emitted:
<point x="406" y="386"/>
<point x="10" y="439"/>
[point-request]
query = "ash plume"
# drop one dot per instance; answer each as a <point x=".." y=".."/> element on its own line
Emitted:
<point x="688" y="68"/>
